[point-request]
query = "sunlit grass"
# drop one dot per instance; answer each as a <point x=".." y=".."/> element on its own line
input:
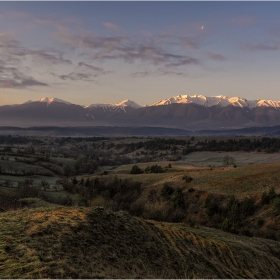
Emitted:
<point x="76" y="242"/>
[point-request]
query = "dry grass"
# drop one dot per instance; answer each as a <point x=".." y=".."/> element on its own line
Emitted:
<point x="247" y="180"/>
<point x="241" y="181"/>
<point x="94" y="243"/>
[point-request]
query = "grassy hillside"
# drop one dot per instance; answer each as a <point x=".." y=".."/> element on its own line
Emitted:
<point x="81" y="242"/>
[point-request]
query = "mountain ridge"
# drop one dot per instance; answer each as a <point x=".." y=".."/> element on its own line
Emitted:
<point x="220" y="100"/>
<point x="187" y="112"/>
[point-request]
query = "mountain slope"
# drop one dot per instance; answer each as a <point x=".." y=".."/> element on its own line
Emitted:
<point x="93" y="243"/>
<point x="49" y="100"/>
<point x="219" y="100"/>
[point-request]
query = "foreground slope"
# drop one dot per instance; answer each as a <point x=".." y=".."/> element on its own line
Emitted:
<point x="93" y="243"/>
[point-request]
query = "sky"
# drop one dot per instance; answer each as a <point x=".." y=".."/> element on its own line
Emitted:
<point x="106" y="52"/>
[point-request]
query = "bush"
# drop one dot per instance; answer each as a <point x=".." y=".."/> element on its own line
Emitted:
<point x="228" y="161"/>
<point x="147" y="169"/>
<point x="260" y="222"/>
<point x="267" y="198"/>
<point x="247" y="206"/>
<point x="276" y="206"/>
<point x="212" y="206"/>
<point x="156" y="169"/>
<point x="166" y="191"/>
<point x="246" y="231"/>
<point x="229" y="225"/>
<point x="178" y="198"/>
<point x="136" y="170"/>
<point x="187" y="178"/>
<point x="233" y="209"/>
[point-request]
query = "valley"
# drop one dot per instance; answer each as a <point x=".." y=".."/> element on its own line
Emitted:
<point x="166" y="207"/>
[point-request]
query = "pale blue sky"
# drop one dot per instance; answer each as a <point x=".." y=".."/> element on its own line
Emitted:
<point x="100" y="52"/>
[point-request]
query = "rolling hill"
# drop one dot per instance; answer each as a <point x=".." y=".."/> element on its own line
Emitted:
<point x="81" y="242"/>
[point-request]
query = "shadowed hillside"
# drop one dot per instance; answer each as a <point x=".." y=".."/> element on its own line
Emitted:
<point x="94" y="243"/>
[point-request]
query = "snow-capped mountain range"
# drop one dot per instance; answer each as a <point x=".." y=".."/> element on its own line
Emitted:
<point x="219" y="100"/>
<point x="181" y="111"/>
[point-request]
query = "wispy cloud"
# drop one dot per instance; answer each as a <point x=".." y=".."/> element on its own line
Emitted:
<point x="125" y="48"/>
<point x="13" y="57"/>
<point x="82" y="72"/>
<point x="260" y="47"/>
<point x="41" y="56"/>
<point x="159" y="72"/>
<point x="111" y="26"/>
<point x="141" y="74"/>
<point x="215" y="56"/>
<point x="11" y="77"/>
<point x="12" y="51"/>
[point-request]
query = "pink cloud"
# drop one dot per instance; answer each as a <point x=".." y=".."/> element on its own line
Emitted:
<point x="111" y="26"/>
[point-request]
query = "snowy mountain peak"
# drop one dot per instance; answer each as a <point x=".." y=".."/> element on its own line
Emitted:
<point x="124" y="103"/>
<point x="49" y="100"/>
<point x="128" y="103"/>
<point x="220" y="100"/>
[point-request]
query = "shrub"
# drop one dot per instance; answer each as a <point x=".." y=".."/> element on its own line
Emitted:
<point x="187" y="178"/>
<point x="267" y="198"/>
<point x="136" y="170"/>
<point x="246" y="231"/>
<point x="156" y="169"/>
<point x="271" y="194"/>
<point x="166" y="191"/>
<point x="247" y="206"/>
<point x="276" y="206"/>
<point x="233" y="209"/>
<point x="212" y="206"/>
<point x="228" y="161"/>
<point x="147" y="169"/>
<point x="260" y="222"/>
<point x="178" y="198"/>
<point x="229" y="225"/>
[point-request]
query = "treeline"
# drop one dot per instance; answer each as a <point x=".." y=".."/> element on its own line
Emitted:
<point x="265" y="144"/>
<point x="154" y="144"/>
<point x="120" y="194"/>
<point x="66" y="140"/>
<point x="233" y="217"/>
<point x="13" y="140"/>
